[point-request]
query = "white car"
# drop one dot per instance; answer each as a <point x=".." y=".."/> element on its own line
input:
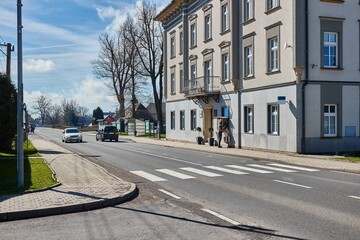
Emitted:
<point x="71" y="135"/>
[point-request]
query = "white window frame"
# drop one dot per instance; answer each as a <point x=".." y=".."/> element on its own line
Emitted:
<point x="207" y="27"/>
<point x="249" y="9"/>
<point x="193" y="35"/>
<point x="274" y="119"/>
<point x="181" y="76"/>
<point x="181" y="42"/>
<point x="173" y="82"/>
<point x="328" y="116"/>
<point x="172" y="46"/>
<point x="249" y="121"/>
<point x="193" y="119"/>
<point x="225" y="67"/>
<point x="172" y="120"/>
<point x="248" y="54"/>
<point x="273" y="52"/>
<point x="225" y="17"/>
<point x="330" y="45"/>
<point x="192" y="75"/>
<point x="182" y="120"/>
<point x="272" y="4"/>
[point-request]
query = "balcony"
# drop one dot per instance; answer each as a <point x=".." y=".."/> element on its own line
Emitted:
<point x="203" y="88"/>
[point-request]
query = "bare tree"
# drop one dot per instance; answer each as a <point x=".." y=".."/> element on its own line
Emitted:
<point x="54" y="114"/>
<point x="42" y="106"/>
<point x="148" y="41"/>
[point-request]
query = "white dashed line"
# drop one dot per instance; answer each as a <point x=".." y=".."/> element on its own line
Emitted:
<point x="355" y="197"/>
<point x="271" y="168"/>
<point x="226" y="170"/>
<point x="149" y="176"/>
<point x="293" y="184"/>
<point x="201" y="172"/>
<point x="294" y="167"/>
<point x="221" y="217"/>
<point x="249" y="169"/>
<point x="174" y="174"/>
<point x="169" y="193"/>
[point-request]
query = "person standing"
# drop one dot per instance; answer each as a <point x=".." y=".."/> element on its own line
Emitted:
<point x="221" y="129"/>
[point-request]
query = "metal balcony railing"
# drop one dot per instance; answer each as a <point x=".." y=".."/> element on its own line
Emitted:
<point x="202" y="86"/>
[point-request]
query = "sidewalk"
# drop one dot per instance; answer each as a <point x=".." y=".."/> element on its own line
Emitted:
<point x="316" y="161"/>
<point x="84" y="186"/>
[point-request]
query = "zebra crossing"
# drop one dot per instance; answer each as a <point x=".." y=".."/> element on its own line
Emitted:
<point x="185" y="173"/>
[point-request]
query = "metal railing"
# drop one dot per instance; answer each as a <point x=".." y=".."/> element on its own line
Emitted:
<point x="202" y="85"/>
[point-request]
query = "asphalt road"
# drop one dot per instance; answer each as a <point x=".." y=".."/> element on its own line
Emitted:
<point x="259" y="198"/>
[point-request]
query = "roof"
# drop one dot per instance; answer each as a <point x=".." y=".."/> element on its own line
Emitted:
<point x="169" y="10"/>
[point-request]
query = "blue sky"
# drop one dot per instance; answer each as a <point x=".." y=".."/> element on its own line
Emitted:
<point x="60" y="38"/>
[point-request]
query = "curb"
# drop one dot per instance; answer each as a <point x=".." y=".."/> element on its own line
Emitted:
<point x="26" y="214"/>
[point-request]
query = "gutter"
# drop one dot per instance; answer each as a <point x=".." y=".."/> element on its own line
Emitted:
<point x="303" y="147"/>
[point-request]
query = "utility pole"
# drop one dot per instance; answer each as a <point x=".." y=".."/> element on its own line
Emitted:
<point x="9" y="49"/>
<point x="20" y="107"/>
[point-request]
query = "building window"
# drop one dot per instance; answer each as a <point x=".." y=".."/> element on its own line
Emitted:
<point x="273" y="118"/>
<point x="207" y="27"/>
<point x="193" y="35"/>
<point x="273" y="52"/>
<point x="181" y="75"/>
<point x="225" y="67"/>
<point x="248" y="55"/>
<point x="330" y="120"/>
<point x="249" y="10"/>
<point x="249" y="119"/>
<point x="224" y="17"/>
<point x="208" y="73"/>
<point x="193" y="75"/>
<point x="193" y="119"/>
<point x="172" y="120"/>
<point x="181" y="40"/>
<point x="215" y="113"/>
<point x="272" y="4"/>
<point x="330" y="50"/>
<point x="173" y="83"/>
<point x="224" y="111"/>
<point x="182" y="120"/>
<point x="172" y="46"/>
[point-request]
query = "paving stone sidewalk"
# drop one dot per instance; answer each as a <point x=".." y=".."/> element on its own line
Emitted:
<point x="84" y="186"/>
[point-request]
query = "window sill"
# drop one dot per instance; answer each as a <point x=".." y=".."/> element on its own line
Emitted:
<point x="225" y="81"/>
<point x="225" y="32"/>
<point x="208" y="40"/>
<point x="333" y="1"/>
<point x="273" y="72"/>
<point x="329" y="68"/>
<point x="271" y="10"/>
<point x="192" y="47"/>
<point x="172" y="57"/>
<point x="249" y="77"/>
<point x="249" y="133"/>
<point x="246" y="22"/>
<point x="274" y="134"/>
<point x="172" y="94"/>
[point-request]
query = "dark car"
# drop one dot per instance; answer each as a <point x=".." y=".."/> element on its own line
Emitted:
<point x="109" y="132"/>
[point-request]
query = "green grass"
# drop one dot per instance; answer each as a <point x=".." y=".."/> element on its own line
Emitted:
<point x="37" y="173"/>
<point x="29" y="150"/>
<point x="353" y="157"/>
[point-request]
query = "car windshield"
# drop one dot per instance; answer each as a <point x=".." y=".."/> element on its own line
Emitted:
<point x="72" y="130"/>
<point x="110" y="129"/>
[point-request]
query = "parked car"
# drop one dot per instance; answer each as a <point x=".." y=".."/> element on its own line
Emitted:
<point x="109" y="132"/>
<point x="71" y="135"/>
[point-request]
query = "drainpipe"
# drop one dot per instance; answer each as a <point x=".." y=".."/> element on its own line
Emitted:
<point x="306" y="75"/>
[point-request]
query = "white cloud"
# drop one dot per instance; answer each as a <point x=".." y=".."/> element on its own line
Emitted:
<point x="38" y="65"/>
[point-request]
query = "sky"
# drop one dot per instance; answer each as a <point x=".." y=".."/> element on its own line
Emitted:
<point x="60" y="39"/>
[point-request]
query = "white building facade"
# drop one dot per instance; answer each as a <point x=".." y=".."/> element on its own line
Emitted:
<point x="293" y="78"/>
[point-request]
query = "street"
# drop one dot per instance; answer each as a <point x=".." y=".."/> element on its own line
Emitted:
<point x="244" y="198"/>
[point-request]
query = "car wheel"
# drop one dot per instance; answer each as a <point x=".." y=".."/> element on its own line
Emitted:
<point x="116" y="140"/>
<point x="102" y="139"/>
<point x="80" y="140"/>
<point x="63" y="140"/>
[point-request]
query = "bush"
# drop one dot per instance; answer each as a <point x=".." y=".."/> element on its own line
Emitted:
<point x="8" y="113"/>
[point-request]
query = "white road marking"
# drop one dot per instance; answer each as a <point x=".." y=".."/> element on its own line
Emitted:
<point x="221" y="217"/>
<point x="149" y="176"/>
<point x="355" y="197"/>
<point x="272" y="168"/>
<point x="225" y="170"/>
<point x="201" y="172"/>
<point x="169" y="193"/>
<point x="293" y="184"/>
<point x="175" y="174"/>
<point x="248" y="169"/>
<point x="294" y="167"/>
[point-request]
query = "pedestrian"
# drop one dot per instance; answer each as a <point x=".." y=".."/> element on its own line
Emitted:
<point x="221" y="129"/>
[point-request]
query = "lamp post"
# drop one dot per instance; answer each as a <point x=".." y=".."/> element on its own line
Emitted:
<point x="20" y="127"/>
